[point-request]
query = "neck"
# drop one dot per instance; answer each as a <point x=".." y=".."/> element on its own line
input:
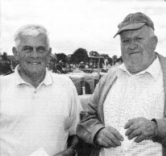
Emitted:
<point x="33" y="79"/>
<point x="135" y="71"/>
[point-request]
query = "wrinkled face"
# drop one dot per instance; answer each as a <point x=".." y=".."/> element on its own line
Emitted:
<point x="137" y="48"/>
<point x="33" y="54"/>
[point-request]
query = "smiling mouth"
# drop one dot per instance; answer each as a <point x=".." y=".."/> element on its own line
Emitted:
<point x="34" y="63"/>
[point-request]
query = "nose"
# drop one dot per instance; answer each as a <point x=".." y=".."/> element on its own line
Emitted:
<point x="132" y="45"/>
<point x="34" y="53"/>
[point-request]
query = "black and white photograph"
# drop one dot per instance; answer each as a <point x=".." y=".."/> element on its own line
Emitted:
<point x="82" y="77"/>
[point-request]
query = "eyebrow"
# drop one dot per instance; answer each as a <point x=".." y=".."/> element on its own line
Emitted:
<point x="34" y="47"/>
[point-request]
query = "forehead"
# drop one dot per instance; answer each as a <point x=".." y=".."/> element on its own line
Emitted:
<point x="143" y="32"/>
<point x="39" y="40"/>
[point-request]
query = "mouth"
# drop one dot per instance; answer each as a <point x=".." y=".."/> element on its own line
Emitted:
<point x="34" y="63"/>
<point x="133" y="53"/>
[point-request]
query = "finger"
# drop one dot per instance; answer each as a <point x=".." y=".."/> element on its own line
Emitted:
<point x="139" y="138"/>
<point x="108" y="140"/>
<point x="130" y="130"/>
<point x="115" y="141"/>
<point x="116" y="133"/>
<point x="128" y="124"/>
<point x="104" y="144"/>
<point x="134" y="134"/>
<point x="110" y="144"/>
<point x="104" y="138"/>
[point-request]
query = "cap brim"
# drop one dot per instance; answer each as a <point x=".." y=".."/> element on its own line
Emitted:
<point x="132" y="26"/>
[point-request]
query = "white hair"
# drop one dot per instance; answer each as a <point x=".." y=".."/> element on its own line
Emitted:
<point x="30" y="30"/>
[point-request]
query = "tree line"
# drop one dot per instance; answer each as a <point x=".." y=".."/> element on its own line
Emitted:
<point x="8" y="63"/>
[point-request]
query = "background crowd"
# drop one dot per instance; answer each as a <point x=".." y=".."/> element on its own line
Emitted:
<point x="62" y="63"/>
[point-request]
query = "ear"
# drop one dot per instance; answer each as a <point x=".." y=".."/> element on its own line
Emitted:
<point x="49" y="54"/>
<point x="154" y="42"/>
<point x="15" y="53"/>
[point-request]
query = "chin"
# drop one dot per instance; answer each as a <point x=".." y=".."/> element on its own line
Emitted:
<point x="35" y="72"/>
<point x="133" y="69"/>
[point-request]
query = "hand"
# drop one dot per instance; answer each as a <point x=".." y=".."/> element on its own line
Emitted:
<point x="140" y="128"/>
<point x="109" y="137"/>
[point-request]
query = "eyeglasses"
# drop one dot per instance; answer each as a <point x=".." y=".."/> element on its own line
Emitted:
<point x="29" y="49"/>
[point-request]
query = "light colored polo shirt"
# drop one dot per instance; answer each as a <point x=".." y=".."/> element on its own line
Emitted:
<point x="31" y="119"/>
<point x="138" y="95"/>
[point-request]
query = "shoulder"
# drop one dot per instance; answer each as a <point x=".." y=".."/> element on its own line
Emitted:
<point x="110" y="74"/>
<point x="61" y="79"/>
<point x="64" y="82"/>
<point x="6" y="77"/>
<point x="107" y="80"/>
<point x="162" y="60"/>
<point x="6" y="80"/>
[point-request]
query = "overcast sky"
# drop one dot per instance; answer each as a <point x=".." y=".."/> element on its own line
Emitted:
<point x="89" y="24"/>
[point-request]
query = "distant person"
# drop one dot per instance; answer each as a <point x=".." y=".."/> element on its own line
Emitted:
<point x="39" y="110"/>
<point x="6" y="67"/>
<point x="126" y="114"/>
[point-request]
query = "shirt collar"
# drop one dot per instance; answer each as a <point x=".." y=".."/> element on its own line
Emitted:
<point x="19" y="81"/>
<point x="48" y="80"/>
<point x="18" y="78"/>
<point x="154" y="69"/>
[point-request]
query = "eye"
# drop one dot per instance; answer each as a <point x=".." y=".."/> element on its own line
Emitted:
<point x="138" y="38"/>
<point x="27" y="49"/>
<point x="41" y="49"/>
<point x="125" y="41"/>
